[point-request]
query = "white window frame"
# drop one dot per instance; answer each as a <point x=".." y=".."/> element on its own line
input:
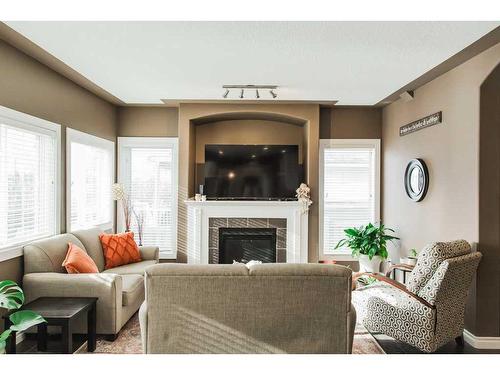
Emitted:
<point x="151" y="142"/>
<point x="345" y="254"/>
<point x="73" y="135"/>
<point x="38" y="125"/>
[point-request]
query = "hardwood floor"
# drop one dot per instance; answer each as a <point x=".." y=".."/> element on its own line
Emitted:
<point x="392" y="346"/>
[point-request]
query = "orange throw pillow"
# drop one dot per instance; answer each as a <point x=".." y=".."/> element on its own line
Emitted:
<point x="119" y="249"/>
<point x="78" y="261"/>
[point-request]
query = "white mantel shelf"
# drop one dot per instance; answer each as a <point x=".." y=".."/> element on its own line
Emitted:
<point x="199" y="213"/>
<point x="232" y="203"/>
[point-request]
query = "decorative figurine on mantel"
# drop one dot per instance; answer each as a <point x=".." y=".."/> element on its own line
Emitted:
<point x="304" y="196"/>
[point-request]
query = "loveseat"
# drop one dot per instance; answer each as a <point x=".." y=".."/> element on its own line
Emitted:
<point x="120" y="290"/>
<point x="265" y="308"/>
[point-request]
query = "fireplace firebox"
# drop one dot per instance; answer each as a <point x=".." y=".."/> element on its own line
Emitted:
<point x="245" y="244"/>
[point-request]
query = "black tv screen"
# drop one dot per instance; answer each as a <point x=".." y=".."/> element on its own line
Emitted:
<point x="252" y="171"/>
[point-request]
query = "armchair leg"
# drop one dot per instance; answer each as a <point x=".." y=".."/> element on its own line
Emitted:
<point x="460" y="340"/>
<point x="111" y="337"/>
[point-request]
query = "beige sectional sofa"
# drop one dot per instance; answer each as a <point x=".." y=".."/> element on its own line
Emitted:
<point x="120" y="290"/>
<point x="267" y="308"/>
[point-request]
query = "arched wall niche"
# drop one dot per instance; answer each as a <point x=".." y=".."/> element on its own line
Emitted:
<point x="246" y="129"/>
<point x="303" y="119"/>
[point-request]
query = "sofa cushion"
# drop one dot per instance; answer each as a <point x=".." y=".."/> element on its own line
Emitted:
<point x="133" y="268"/>
<point x="133" y="289"/>
<point x="78" y="261"/>
<point x="48" y="254"/>
<point x="119" y="249"/>
<point x="90" y="239"/>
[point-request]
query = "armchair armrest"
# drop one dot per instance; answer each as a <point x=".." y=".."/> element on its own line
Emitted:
<point x="107" y="287"/>
<point x="149" y="252"/>
<point x="397" y="285"/>
<point x="399" y="266"/>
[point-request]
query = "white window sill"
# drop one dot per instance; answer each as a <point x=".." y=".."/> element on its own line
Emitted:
<point x="11" y="253"/>
<point x="16" y="250"/>
<point x="168" y="256"/>
<point x="341" y="256"/>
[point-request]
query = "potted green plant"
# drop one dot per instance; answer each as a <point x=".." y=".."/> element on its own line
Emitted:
<point x="369" y="244"/>
<point x="12" y="298"/>
<point x="412" y="258"/>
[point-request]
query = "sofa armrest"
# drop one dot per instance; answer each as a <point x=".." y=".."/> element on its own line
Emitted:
<point x="143" y="323"/>
<point x="149" y="252"/>
<point x="107" y="287"/>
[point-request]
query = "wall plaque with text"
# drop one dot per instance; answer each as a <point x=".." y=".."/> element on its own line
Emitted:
<point x="423" y="123"/>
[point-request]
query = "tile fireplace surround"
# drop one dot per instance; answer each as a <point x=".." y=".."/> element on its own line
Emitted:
<point x="292" y="228"/>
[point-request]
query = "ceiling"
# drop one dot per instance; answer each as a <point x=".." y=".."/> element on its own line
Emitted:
<point x="354" y="63"/>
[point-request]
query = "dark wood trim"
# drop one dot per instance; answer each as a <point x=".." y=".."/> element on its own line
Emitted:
<point x="399" y="266"/>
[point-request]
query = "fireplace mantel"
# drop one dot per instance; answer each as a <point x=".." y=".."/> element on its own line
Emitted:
<point x="200" y="212"/>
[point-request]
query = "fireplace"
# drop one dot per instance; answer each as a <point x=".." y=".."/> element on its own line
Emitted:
<point x="205" y="218"/>
<point x="245" y="244"/>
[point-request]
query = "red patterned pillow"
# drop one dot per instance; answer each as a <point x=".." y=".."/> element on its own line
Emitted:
<point x="119" y="249"/>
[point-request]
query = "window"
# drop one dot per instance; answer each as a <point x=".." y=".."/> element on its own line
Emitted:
<point x="148" y="171"/>
<point x="349" y="188"/>
<point x="90" y="175"/>
<point x="29" y="180"/>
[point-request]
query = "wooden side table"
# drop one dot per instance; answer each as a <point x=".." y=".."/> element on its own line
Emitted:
<point x="62" y="312"/>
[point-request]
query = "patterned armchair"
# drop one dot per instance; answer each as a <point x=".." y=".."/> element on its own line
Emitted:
<point x="429" y="311"/>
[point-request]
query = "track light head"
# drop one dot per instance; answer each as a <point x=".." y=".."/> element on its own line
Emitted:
<point x="242" y="88"/>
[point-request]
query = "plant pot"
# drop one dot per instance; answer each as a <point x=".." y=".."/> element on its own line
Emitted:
<point x="409" y="261"/>
<point x="367" y="265"/>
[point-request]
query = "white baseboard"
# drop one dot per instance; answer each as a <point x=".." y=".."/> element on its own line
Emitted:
<point x="481" y="342"/>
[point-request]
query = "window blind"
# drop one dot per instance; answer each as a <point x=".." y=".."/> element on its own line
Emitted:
<point x="28" y="172"/>
<point x="151" y="185"/>
<point x="348" y="191"/>
<point x="91" y="178"/>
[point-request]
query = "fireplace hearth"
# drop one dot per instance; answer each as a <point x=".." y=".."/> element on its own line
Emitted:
<point x="246" y="244"/>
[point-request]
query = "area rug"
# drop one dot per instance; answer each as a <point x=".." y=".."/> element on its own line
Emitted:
<point x="129" y="341"/>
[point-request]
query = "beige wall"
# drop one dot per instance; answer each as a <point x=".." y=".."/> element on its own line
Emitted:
<point x="147" y="122"/>
<point x="351" y="122"/>
<point x="487" y="291"/>
<point x="30" y="87"/>
<point x="451" y="151"/>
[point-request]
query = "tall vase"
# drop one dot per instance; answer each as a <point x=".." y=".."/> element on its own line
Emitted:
<point x="367" y="265"/>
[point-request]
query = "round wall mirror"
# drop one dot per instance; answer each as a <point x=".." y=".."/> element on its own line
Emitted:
<point x="416" y="179"/>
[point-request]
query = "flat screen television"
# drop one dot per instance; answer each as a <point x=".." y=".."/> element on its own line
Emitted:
<point x="252" y="172"/>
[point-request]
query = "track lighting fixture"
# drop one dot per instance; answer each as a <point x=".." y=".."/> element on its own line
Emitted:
<point x="271" y="89"/>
